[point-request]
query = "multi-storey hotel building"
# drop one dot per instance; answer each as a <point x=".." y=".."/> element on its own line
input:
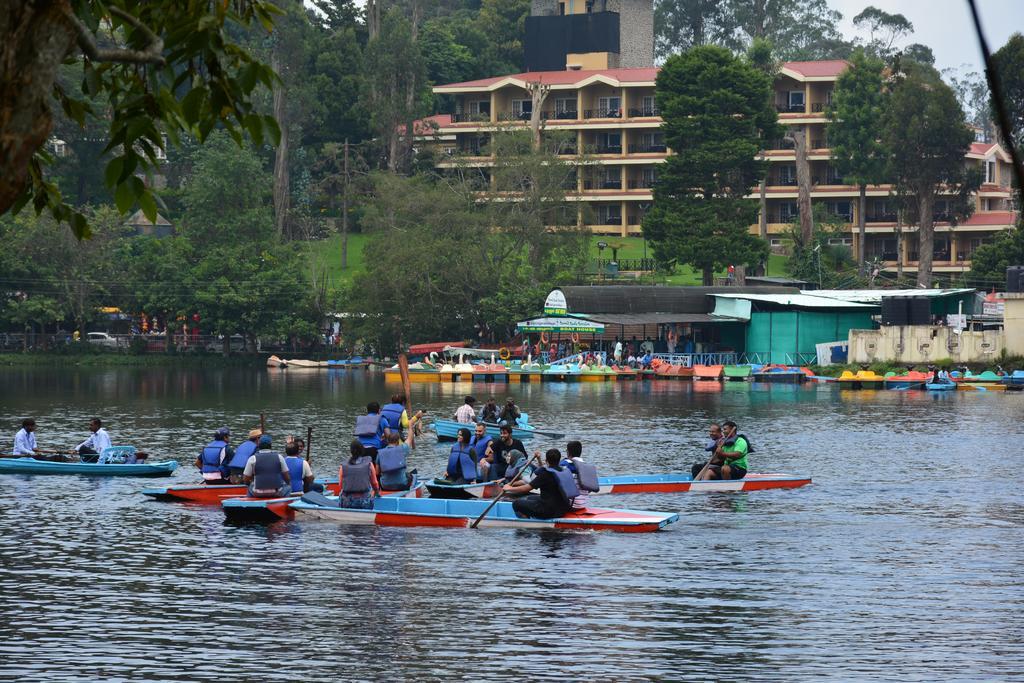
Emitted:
<point x="609" y="125"/>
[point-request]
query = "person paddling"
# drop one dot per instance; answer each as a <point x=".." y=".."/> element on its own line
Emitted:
<point x="710" y="446"/>
<point x="90" y="449"/>
<point x="266" y="472"/>
<point x="299" y="469"/>
<point x="357" y="477"/>
<point x="25" y="439"/>
<point x="236" y="464"/>
<point x="557" y="490"/>
<point x="213" y="459"/>
<point x="730" y="458"/>
<point x="393" y="459"/>
<point x="396" y="415"/>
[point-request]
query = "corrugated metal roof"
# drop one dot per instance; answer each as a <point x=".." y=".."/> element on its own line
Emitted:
<point x="874" y="296"/>
<point x="658" y="318"/>
<point x="797" y="300"/>
<point x="638" y="299"/>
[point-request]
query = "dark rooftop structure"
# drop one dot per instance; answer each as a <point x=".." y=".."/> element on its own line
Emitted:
<point x="598" y="301"/>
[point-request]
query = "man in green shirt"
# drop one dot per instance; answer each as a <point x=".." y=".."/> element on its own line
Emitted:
<point x="730" y="458"/>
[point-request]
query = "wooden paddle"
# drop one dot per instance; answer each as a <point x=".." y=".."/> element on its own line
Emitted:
<point x="263" y="424"/>
<point x="502" y="493"/>
<point x="403" y="368"/>
<point x="546" y="435"/>
<point x="309" y="441"/>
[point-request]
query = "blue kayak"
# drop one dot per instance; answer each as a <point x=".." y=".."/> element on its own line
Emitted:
<point x="447" y="430"/>
<point x="33" y="466"/>
<point x="944" y="385"/>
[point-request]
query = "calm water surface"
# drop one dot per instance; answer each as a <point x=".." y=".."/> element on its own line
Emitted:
<point x="902" y="561"/>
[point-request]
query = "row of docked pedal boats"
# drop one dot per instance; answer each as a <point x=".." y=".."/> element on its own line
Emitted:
<point x="928" y="381"/>
<point x="457" y="505"/>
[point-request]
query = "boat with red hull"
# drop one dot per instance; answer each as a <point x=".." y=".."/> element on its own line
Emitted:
<point x="433" y="512"/>
<point x="641" y="483"/>
<point x="246" y="509"/>
<point x="213" y="494"/>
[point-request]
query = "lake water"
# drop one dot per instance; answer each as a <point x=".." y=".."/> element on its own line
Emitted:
<point x="902" y="561"/>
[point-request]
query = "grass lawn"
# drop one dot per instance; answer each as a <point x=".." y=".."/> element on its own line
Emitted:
<point x="329" y="251"/>
<point x="633" y="248"/>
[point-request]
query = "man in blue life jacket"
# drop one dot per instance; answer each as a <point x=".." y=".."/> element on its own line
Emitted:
<point x="236" y="464"/>
<point x="299" y="470"/>
<point x="479" y="442"/>
<point x="393" y="459"/>
<point x="395" y="414"/>
<point x="371" y="430"/>
<point x="266" y="472"/>
<point x="213" y="459"/>
<point x="557" y="490"/>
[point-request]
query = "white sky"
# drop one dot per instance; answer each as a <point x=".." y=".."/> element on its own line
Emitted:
<point x="943" y="25"/>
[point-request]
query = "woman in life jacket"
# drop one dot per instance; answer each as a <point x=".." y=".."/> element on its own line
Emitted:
<point x="357" y="478"/>
<point x="461" y="467"/>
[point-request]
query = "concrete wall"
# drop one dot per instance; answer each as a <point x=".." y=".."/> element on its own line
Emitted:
<point x="923" y="344"/>
<point x="1013" y="323"/>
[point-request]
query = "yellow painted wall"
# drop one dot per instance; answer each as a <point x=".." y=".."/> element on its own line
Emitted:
<point x="589" y="61"/>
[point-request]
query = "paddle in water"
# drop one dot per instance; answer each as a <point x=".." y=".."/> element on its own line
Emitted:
<point x="501" y="495"/>
<point x="309" y="441"/>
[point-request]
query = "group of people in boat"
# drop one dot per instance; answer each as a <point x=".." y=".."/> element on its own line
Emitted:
<point x="728" y="451"/>
<point x="255" y="463"/>
<point x="90" y="450"/>
<point x="489" y="412"/>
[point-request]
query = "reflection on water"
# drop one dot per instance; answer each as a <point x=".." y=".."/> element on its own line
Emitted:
<point x="900" y="562"/>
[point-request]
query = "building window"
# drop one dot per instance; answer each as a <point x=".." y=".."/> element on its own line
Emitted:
<point x="609" y="214"/>
<point x="828" y="97"/>
<point x="840" y="241"/>
<point x="648" y="105"/>
<point x="649" y="176"/>
<point x="522" y="109"/>
<point x="990" y="172"/>
<point x="788" y="212"/>
<point x="479" y="107"/>
<point x="787" y="175"/>
<point x="609" y="143"/>
<point x="565" y="108"/>
<point x="843" y="209"/>
<point x="796" y="100"/>
<point x="775" y="242"/>
<point x="609" y="107"/>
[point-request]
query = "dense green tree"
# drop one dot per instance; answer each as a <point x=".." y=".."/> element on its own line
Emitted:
<point x="165" y="67"/>
<point x="798" y="29"/>
<point x="884" y="30"/>
<point x="855" y="118"/>
<point x="156" y="278"/>
<point x="990" y="261"/>
<point x="717" y="111"/>
<point x="682" y="24"/>
<point x="924" y="131"/>
<point x="1009" y="64"/>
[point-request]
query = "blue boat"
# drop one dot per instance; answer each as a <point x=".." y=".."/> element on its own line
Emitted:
<point x="1016" y="378"/>
<point x="33" y="466"/>
<point x="246" y="509"/>
<point x="447" y="430"/>
<point x="941" y="385"/>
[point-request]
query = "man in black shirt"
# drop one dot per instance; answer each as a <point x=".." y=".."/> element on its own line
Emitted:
<point x="551" y="503"/>
<point x="495" y="462"/>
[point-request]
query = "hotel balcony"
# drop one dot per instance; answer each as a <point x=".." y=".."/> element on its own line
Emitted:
<point x="647" y="148"/>
<point x="644" y="113"/>
<point x="605" y="184"/>
<point x="602" y="114"/>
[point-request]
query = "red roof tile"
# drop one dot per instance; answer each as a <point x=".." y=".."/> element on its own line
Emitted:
<point x="826" y="68"/>
<point x="564" y="77"/>
<point x="992" y="218"/>
<point x="981" y="148"/>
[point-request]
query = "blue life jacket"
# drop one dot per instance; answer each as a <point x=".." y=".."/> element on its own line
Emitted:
<point x="585" y="473"/>
<point x="242" y="454"/>
<point x="211" y="458"/>
<point x="295" y="468"/>
<point x="392" y="412"/>
<point x="480" y="446"/>
<point x="267" y="476"/>
<point x="461" y="464"/>
<point x="566" y="483"/>
<point x="392" y="463"/>
<point x="369" y="429"/>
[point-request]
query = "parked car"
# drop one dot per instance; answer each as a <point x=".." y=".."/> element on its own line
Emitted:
<point x="237" y="344"/>
<point x="104" y="339"/>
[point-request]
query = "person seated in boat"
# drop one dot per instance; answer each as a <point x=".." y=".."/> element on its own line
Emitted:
<point x="479" y="442"/>
<point x="396" y="415"/>
<point x="729" y="460"/>
<point x="25" y="439"/>
<point x="710" y="446"/>
<point x="236" y="464"/>
<point x="302" y="480"/>
<point x="370" y="430"/>
<point x="90" y="449"/>
<point x="495" y="460"/>
<point x="557" y="490"/>
<point x="516" y="463"/>
<point x="214" y="458"/>
<point x="266" y="472"/>
<point x="510" y="413"/>
<point x="357" y="478"/>
<point x="631" y="361"/>
<point x="466" y="414"/>
<point x="462" y="465"/>
<point x="584" y="473"/>
<point x="393" y="459"/>
<point x="490" y="412"/>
